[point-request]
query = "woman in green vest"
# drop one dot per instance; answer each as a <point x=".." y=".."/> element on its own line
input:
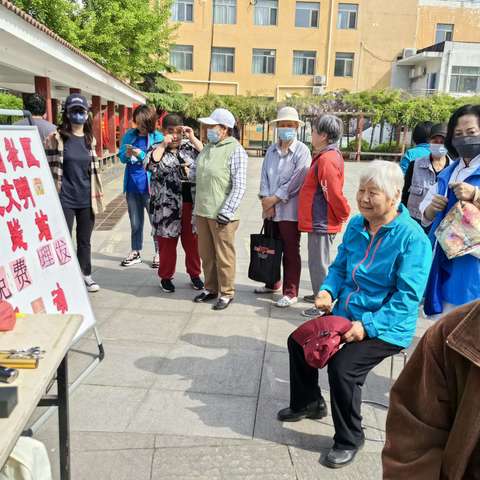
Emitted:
<point x="220" y="174"/>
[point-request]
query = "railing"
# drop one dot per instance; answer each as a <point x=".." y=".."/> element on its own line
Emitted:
<point x="423" y="92"/>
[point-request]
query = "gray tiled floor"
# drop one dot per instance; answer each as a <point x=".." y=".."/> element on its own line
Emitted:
<point x="188" y="393"/>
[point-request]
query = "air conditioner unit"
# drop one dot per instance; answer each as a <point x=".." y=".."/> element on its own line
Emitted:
<point x="319" y="80"/>
<point x="409" y="52"/>
<point x="318" y="91"/>
<point x="412" y="73"/>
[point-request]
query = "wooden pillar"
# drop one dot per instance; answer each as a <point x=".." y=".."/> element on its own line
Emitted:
<point x="75" y="90"/>
<point x="359" y="138"/>
<point x="112" y="134"/>
<point x="129" y="117"/>
<point x="43" y="88"/>
<point x="97" y="123"/>
<point x="54" y="110"/>
<point x="122" y="118"/>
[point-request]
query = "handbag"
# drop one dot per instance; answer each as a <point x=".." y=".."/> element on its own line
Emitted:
<point x="459" y="232"/>
<point x="265" y="258"/>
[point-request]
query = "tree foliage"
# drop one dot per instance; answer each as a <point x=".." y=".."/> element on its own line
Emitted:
<point x="127" y="37"/>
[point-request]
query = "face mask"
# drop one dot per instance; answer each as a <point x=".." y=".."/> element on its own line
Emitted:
<point x="467" y="147"/>
<point x="438" y="150"/>
<point x="213" y="135"/>
<point x="78" y="118"/>
<point x="286" y="134"/>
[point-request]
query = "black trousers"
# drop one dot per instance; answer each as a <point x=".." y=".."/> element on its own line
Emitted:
<point x="85" y="219"/>
<point x="347" y="371"/>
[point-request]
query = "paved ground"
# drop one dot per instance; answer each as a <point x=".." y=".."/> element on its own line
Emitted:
<point x="186" y="393"/>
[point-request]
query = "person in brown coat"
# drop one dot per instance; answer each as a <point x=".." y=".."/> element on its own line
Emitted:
<point x="433" y="424"/>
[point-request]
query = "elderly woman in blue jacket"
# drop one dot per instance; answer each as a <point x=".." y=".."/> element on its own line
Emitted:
<point x="377" y="281"/>
<point x="133" y="149"/>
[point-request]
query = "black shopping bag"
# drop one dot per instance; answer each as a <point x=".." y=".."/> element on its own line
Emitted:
<point x="265" y="258"/>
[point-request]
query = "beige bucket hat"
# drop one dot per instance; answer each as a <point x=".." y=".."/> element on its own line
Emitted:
<point x="288" y="114"/>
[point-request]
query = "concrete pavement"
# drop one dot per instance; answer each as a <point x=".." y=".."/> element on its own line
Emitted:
<point x="188" y="393"/>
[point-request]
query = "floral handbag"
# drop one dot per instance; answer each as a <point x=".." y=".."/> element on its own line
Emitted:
<point x="459" y="232"/>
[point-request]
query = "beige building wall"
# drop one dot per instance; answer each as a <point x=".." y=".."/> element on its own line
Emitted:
<point x="384" y="29"/>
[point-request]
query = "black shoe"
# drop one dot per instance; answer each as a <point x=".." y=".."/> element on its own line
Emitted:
<point x="197" y="283"/>
<point x="167" y="285"/>
<point x="338" y="458"/>
<point x="315" y="410"/>
<point x="309" y="298"/>
<point x="223" y="303"/>
<point x="205" y="296"/>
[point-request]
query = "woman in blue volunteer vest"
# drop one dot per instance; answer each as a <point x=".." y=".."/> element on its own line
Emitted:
<point x="457" y="281"/>
<point x="133" y="151"/>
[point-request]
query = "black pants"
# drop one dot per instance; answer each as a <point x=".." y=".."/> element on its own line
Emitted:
<point x="85" y="219"/>
<point x="347" y="371"/>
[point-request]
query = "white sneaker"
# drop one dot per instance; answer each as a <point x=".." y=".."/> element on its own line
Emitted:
<point x="131" y="259"/>
<point x="286" y="302"/>
<point x="264" y="290"/>
<point x="91" y="284"/>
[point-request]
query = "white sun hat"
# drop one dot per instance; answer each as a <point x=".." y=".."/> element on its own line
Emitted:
<point x="285" y="114"/>
<point x="220" y="116"/>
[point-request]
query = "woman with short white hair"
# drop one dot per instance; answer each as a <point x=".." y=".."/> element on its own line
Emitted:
<point x="377" y="280"/>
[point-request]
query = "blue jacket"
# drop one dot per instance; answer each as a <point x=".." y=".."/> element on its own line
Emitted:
<point x="455" y="281"/>
<point x="129" y="139"/>
<point x="380" y="279"/>
<point x="418" y="151"/>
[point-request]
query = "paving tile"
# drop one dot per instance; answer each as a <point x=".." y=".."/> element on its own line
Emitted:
<point x="224" y="462"/>
<point x="210" y="370"/>
<point x="157" y="326"/>
<point x="217" y="330"/>
<point x="279" y="329"/>
<point x="190" y="413"/>
<point x="153" y="298"/>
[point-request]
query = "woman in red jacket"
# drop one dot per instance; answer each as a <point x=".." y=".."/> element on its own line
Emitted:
<point x="322" y="206"/>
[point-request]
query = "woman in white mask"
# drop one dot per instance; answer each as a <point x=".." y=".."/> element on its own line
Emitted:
<point x="423" y="172"/>
<point x="283" y="172"/>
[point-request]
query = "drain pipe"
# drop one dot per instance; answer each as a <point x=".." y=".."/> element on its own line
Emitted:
<point x="329" y="43"/>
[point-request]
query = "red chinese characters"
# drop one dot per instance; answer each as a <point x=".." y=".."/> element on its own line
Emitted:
<point x="59" y="299"/>
<point x="27" y="151"/>
<point x="41" y="221"/>
<point x="61" y="249"/>
<point x="12" y="154"/>
<point x="2" y="165"/>
<point x="7" y="188"/>
<point x="5" y="292"/>
<point x="45" y="256"/>
<point x="20" y="273"/>
<point x="23" y="191"/>
<point x="16" y="235"/>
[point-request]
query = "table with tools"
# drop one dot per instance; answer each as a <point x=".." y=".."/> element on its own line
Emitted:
<point x="43" y="340"/>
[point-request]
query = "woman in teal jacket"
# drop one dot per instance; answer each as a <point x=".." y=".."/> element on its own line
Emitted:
<point x="377" y="280"/>
<point x="136" y="181"/>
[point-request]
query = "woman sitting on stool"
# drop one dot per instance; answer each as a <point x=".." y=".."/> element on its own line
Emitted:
<point x="377" y="280"/>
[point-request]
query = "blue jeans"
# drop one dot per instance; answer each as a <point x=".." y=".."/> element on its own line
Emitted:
<point x="137" y="204"/>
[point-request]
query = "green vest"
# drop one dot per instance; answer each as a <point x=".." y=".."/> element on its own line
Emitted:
<point x="213" y="180"/>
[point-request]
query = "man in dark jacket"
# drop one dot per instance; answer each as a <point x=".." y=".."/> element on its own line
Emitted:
<point x="433" y="425"/>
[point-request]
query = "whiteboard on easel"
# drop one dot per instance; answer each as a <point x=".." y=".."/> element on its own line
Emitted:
<point x="39" y="271"/>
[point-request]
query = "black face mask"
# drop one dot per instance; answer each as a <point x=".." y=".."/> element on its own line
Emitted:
<point x="467" y="147"/>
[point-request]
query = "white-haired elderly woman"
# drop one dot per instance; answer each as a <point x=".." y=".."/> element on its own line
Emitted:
<point x="323" y="208"/>
<point x="283" y="172"/>
<point x="377" y="281"/>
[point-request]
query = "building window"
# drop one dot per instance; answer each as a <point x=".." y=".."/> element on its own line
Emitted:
<point x="225" y="11"/>
<point x="465" y="80"/>
<point x="263" y="61"/>
<point x="444" y="32"/>
<point x="265" y="12"/>
<point x="181" y="57"/>
<point x="307" y="14"/>
<point x="344" y="65"/>
<point x="182" y="11"/>
<point x="223" y="59"/>
<point x="347" y="16"/>
<point x="304" y="63"/>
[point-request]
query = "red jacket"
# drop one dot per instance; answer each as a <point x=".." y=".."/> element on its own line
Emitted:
<point x="322" y="207"/>
<point x="321" y="338"/>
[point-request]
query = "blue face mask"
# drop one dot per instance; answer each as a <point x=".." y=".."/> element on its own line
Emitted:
<point x="438" y="150"/>
<point x="78" y="118"/>
<point x="212" y="135"/>
<point x="286" y="134"/>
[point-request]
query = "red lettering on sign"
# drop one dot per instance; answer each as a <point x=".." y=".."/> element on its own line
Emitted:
<point x="44" y="232"/>
<point x="23" y="191"/>
<point x="16" y="235"/>
<point x="59" y="299"/>
<point x="12" y="154"/>
<point x="27" y="150"/>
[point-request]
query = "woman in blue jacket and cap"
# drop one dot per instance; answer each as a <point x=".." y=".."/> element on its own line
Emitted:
<point x="377" y="280"/>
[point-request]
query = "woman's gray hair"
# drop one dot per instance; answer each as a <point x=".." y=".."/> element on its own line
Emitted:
<point x="329" y="124"/>
<point x="387" y="176"/>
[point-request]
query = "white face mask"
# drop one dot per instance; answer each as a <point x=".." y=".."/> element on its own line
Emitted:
<point x="438" y="150"/>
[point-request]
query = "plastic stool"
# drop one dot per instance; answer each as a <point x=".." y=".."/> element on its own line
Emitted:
<point x="404" y="354"/>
